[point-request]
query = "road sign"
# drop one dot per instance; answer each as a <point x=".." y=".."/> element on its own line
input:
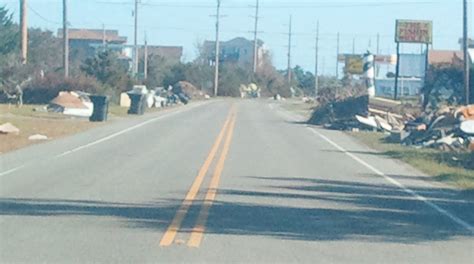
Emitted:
<point x="354" y="64"/>
<point x="414" y="31"/>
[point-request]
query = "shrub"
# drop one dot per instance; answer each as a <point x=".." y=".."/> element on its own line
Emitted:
<point x="43" y="90"/>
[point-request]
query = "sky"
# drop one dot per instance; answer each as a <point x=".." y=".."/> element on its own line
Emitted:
<point x="186" y="23"/>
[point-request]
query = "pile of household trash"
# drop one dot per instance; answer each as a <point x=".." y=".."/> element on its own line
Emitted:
<point x="180" y="93"/>
<point x="448" y="128"/>
<point x="72" y="103"/>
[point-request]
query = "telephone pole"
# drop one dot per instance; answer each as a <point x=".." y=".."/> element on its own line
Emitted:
<point x="289" y="52"/>
<point x="337" y="55"/>
<point x="216" y="73"/>
<point x="466" y="54"/>
<point x="316" y="74"/>
<point x="255" y="40"/>
<point x="135" y="42"/>
<point x="377" y="68"/>
<point x="145" y="59"/>
<point x="65" y="41"/>
<point x="24" y="32"/>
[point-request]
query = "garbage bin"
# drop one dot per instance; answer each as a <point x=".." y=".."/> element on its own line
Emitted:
<point x="137" y="105"/>
<point x="101" y="108"/>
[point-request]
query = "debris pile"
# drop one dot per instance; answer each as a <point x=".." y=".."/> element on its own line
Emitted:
<point x="72" y="103"/>
<point x="342" y="114"/>
<point x="37" y="137"/>
<point x="447" y="128"/>
<point x="8" y="128"/>
<point x="189" y="90"/>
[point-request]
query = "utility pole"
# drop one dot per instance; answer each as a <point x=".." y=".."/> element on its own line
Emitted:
<point x="216" y="73"/>
<point x="337" y="56"/>
<point x="289" y="52"/>
<point x="316" y="73"/>
<point x="377" y="68"/>
<point x="65" y="41"/>
<point x="135" y="42"/>
<point x="24" y="32"/>
<point x="465" y="49"/>
<point x="145" y="59"/>
<point x="255" y="40"/>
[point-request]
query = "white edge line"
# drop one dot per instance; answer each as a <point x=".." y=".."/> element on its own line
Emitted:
<point x="114" y="135"/>
<point x="11" y="170"/>
<point x="109" y="137"/>
<point x="396" y="183"/>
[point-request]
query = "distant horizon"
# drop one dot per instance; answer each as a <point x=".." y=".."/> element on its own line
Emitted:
<point x="189" y="24"/>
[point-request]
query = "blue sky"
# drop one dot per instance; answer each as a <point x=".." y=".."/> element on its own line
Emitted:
<point x="186" y="22"/>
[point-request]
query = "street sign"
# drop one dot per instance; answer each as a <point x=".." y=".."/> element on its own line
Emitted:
<point x="414" y="31"/>
<point x="354" y="64"/>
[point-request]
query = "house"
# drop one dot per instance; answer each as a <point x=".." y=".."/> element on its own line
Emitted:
<point x="440" y="57"/>
<point x="470" y="43"/>
<point x="169" y="53"/>
<point x="238" y="50"/>
<point x="84" y="43"/>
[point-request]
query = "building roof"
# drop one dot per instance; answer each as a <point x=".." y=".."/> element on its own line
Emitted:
<point x="239" y="41"/>
<point x="94" y="34"/>
<point x="445" y="57"/>
<point x="167" y="52"/>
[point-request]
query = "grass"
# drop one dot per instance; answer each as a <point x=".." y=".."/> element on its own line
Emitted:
<point x="33" y="119"/>
<point x="445" y="167"/>
<point x="298" y="107"/>
<point x="52" y="128"/>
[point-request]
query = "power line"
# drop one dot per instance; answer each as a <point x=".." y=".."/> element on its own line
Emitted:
<point x="42" y="17"/>
<point x="292" y="5"/>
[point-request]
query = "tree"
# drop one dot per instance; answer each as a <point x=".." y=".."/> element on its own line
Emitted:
<point x="444" y="83"/>
<point x="43" y="53"/>
<point x="304" y="80"/>
<point x="270" y="80"/>
<point x="158" y="69"/>
<point x="108" y="70"/>
<point x="8" y="33"/>
<point x="176" y="74"/>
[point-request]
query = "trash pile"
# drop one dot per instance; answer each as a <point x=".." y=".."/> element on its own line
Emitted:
<point x="180" y="93"/>
<point x="8" y="128"/>
<point x="447" y="128"/>
<point x="189" y="90"/>
<point x="72" y="103"/>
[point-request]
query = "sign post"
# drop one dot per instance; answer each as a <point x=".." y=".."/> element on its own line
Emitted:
<point x="411" y="31"/>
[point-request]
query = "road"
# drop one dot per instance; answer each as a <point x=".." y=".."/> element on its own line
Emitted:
<point x="225" y="181"/>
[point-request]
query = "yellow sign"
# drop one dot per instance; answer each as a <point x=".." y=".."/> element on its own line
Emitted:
<point x="354" y="64"/>
<point x="414" y="31"/>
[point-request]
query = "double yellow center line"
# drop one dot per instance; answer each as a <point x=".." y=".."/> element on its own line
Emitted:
<point x="197" y="233"/>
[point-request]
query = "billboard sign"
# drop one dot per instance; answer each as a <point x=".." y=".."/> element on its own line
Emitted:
<point x="414" y="31"/>
<point x="354" y="64"/>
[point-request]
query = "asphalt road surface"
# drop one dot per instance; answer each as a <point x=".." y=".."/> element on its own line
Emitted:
<point x="224" y="181"/>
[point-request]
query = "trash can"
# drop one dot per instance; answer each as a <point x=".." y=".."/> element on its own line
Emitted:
<point x="137" y="105"/>
<point x="101" y="108"/>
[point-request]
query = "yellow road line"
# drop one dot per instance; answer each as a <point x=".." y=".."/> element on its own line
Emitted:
<point x="175" y="225"/>
<point x="198" y="230"/>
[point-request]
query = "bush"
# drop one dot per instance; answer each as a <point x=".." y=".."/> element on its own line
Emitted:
<point x="43" y="90"/>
